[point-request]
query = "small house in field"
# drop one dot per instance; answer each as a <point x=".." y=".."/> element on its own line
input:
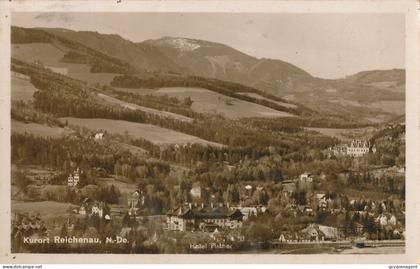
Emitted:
<point x="99" y="136"/>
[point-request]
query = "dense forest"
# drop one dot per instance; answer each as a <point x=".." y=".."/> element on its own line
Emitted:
<point x="63" y="97"/>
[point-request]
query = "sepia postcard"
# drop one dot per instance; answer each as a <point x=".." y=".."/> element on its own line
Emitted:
<point x="219" y="131"/>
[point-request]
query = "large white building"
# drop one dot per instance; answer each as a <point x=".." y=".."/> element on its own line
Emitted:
<point x="189" y="218"/>
<point x="73" y="179"/>
<point x="356" y="148"/>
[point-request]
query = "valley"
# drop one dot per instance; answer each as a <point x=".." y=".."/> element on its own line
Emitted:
<point x="177" y="142"/>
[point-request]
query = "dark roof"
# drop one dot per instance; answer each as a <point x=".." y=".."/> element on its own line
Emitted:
<point x="205" y="212"/>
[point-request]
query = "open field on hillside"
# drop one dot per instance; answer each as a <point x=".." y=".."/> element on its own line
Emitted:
<point x="132" y="106"/>
<point x="154" y="134"/>
<point x="206" y="101"/>
<point x="22" y="89"/>
<point x="38" y="129"/>
<point x="50" y="56"/>
<point x="44" y="208"/>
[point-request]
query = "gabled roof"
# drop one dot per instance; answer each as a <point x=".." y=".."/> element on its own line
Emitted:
<point x="205" y="212"/>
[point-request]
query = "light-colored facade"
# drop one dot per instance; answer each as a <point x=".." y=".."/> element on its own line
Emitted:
<point x="356" y="148"/>
<point x="73" y="179"/>
<point x="203" y="218"/>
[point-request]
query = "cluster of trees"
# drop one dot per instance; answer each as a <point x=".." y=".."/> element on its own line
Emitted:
<point x="75" y="57"/>
<point x="60" y="153"/>
<point x="24" y="112"/>
<point x="133" y="168"/>
<point x="191" y="154"/>
<point x="57" y="152"/>
<point x="23" y="36"/>
<point x="390" y="147"/>
<point x="286" y="124"/>
<point x="63" y="104"/>
<point x="386" y="184"/>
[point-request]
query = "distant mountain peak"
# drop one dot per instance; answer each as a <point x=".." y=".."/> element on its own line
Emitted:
<point x="182" y="43"/>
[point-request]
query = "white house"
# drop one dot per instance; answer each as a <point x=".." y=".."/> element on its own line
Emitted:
<point x="99" y="136"/>
<point x="73" y="179"/>
<point x="196" y="191"/>
<point x="97" y="210"/>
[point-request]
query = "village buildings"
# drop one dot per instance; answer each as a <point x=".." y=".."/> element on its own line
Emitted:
<point x="135" y="202"/>
<point x="194" y="218"/>
<point x="93" y="208"/>
<point x="317" y="232"/>
<point x="249" y="211"/>
<point x="196" y="191"/>
<point x="74" y="178"/>
<point x="356" y="148"/>
<point x="304" y="183"/>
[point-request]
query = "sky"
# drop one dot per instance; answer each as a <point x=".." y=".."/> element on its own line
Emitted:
<point x="325" y="45"/>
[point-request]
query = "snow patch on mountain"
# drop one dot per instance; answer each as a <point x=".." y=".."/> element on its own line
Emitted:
<point x="183" y="44"/>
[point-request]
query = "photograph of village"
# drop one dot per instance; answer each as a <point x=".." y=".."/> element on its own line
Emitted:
<point x="207" y="133"/>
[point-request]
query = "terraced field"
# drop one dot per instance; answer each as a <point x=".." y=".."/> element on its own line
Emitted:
<point x="154" y="134"/>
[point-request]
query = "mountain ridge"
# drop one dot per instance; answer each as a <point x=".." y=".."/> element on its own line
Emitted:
<point x="350" y="96"/>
